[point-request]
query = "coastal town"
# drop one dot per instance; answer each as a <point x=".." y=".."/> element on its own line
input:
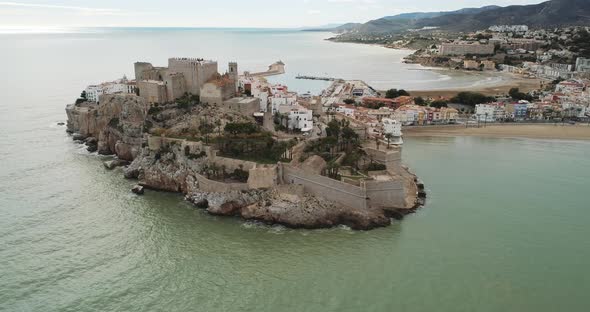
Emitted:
<point x="236" y="144"/>
<point x="554" y="63"/>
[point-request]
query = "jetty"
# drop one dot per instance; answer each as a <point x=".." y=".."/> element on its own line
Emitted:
<point x="317" y="78"/>
<point x="277" y="68"/>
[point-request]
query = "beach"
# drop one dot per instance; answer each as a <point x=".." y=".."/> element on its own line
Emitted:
<point x="495" y="84"/>
<point x="534" y="131"/>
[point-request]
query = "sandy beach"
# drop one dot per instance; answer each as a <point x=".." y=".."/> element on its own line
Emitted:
<point x="535" y="131"/>
<point x="502" y="83"/>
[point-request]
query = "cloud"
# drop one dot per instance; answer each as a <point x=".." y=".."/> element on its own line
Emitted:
<point x="314" y="12"/>
<point x="86" y="10"/>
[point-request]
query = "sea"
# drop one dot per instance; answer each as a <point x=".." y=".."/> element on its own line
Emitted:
<point x="505" y="226"/>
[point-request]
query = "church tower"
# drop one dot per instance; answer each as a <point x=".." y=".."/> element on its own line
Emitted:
<point x="233" y="73"/>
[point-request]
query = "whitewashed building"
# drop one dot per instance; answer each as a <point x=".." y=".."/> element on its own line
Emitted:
<point x="299" y="117"/>
<point x="279" y="100"/>
<point x="345" y="109"/>
<point x="93" y="92"/>
<point x="490" y="112"/>
<point x="392" y="126"/>
<point x="485" y="112"/>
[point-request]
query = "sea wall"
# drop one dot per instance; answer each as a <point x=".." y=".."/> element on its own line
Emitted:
<point x="207" y="185"/>
<point x="263" y="177"/>
<point x="385" y="194"/>
<point x="330" y="189"/>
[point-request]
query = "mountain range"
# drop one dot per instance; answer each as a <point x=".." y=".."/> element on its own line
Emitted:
<point x="543" y="15"/>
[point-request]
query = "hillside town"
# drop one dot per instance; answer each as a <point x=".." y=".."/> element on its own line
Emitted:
<point x="541" y="53"/>
<point x="236" y="144"/>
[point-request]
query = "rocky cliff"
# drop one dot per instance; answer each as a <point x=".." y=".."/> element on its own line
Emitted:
<point x="115" y="125"/>
<point x="119" y="126"/>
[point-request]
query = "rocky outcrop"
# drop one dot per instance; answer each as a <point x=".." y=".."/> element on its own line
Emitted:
<point x="116" y="123"/>
<point x="138" y="189"/>
<point x="116" y="126"/>
<point x="291" y="208"/>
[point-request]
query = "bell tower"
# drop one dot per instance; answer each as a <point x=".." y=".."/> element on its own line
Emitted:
<point x="233" y="73"/>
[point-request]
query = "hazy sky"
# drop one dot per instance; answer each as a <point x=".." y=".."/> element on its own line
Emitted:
<point x="216" y="13"/>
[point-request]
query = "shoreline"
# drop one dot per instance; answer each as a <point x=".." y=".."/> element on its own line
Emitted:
<point x="501" y="87"/>
<point x="493" y="88"/>
<point x="549" y="131"/>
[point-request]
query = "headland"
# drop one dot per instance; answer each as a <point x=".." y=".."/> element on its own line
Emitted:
<point x="238" y="146"/>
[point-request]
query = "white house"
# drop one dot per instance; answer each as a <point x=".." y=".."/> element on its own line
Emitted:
<point x="278" y="100"/>
<point x="93" y="92"/>
<point x="300" y="117"/>
<point x="485" y="112"/>
<point x="392" y="126"/>
<point x="490" y="112"/>
<point x="345" y="109"/>
<point x="263" y="96"/>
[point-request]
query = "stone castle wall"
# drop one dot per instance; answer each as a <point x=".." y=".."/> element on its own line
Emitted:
<point x="385" y="193"/>
<point x="175" y="86"/>
<point x="392" y="159"/>
<point x="263" y="177"/>
<point x="208" y="185"/>
<point x="365" y="194"/>
<point x="330" y="189"/>
<point x="196" y="72"/>
<point x="152" y="91"/>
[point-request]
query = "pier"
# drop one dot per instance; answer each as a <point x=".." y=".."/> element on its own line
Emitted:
<point x="317" y="78"/>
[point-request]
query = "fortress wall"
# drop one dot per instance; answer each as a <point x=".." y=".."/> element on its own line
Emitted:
<point x="245" y="106"/>
<point x="263" y="177"/>
<point x="232" y="164"/>
<point x="140" y="68"/>
<point x="330" y="189"/>
<point x="152" y="91"/>
<point x="205" y="72"/>
<point x="218" y="187"/>
<point x="385" y="194"/>
<point x="188" y="68"/>
<point x="211" y="94"/>
<point x="175" y="86"/>
<point x="392" y="158"/>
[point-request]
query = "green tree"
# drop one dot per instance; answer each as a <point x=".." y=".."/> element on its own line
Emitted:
<point x="439" y="104"/>
<point x="349" y="137"/>
<point x="472" y="98"/>
<point x="515" y="94"/>
<point x="420" y="101"/>
<point x="393" y="93"/>
<point x="388" y="136"/>
<point x="333" y="129"/>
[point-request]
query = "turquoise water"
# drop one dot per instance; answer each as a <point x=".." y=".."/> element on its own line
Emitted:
<point x="505" y="227"/>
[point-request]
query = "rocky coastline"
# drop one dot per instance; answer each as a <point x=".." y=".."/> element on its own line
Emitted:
<point x="117" y="127"/>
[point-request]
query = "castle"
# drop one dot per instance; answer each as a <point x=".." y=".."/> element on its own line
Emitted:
<point x="186" y="75"/>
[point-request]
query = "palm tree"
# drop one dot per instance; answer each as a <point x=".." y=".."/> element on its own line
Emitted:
<point x="388" y="136"/>
<point x="218" y="125"/>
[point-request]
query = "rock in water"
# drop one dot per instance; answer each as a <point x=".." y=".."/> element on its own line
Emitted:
<point x="112" y="164"/>
<point x="138" y="189"/>
<point x="78" y="137"/>
<point x="203" y="204"/>
<point x="61" y="123"/>
<point x="92" y="148"/>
